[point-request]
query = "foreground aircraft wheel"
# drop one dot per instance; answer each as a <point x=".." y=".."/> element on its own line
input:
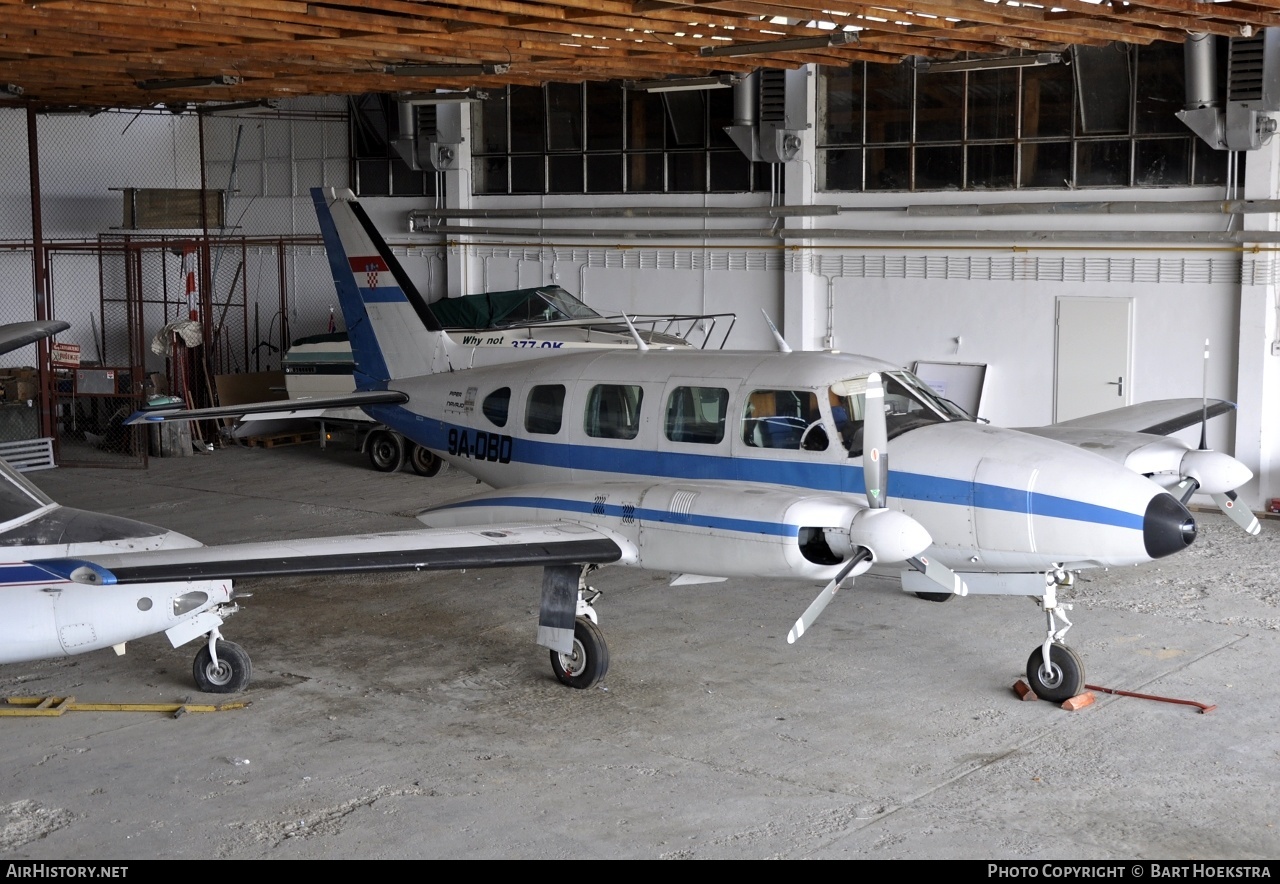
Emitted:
<point x="386" y="451"/>
<point x="590" y="658"/>
<point x="229" y="676"/>
<point x="424" y="463"/>
<point x="936" y="596"/>
<point x="1065" y="678"/>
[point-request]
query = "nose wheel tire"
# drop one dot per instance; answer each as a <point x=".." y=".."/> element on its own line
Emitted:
<point x="936" y="596"/>
<point x="590" y="658"/>
<point x="231" y="674"/>
<point x="423" y="462"/>
<point x="386" y="451"/>
<point x="1062" y="680"/>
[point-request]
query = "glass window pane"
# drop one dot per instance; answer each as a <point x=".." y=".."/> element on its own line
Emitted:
<point x="407" y="182"/>
<point x="730" y="172"/>
<point x="991" y="166"/>
<point x="1161" y="88"/>
<point x="888" y="168"/>
<point x="939" y="168"/>
<point x="888" y="103"/>
<point x="1102" y="163"/>
<point x="687" y="171"/>
<point x="939" y="106"/>
<point x="646" y="123"/>
<point x="490" y="124"/>
<point x="566" y="173"/>
<point x="686" y="118"/>
<point x="840" y="169"/>
<point x="496" y="405"/>
<point x="526" y="119"/>
<point x="564" y="116"/>
<point x="697" y="414"/>
<point x="373" y="177"/>
<point x="1211" y="165"/>
<point x="604" y="173"/>
<point x="1046" y="101"/>
<point x="719" y="115"/>
<point x="604" y="116"/>
<point x="644" y="173"/>
<point x="840" y="104"/>
<point x="1162" y="162"/>
<point x="993" y="104"/>
<point x="613" y="411"/>
<point x="1102" y="85"/>
<point x="1046" y="164"/>
<point x="527" y="174"/>
<point x="490" y="174"/>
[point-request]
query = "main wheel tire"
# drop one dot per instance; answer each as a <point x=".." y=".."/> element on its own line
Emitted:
<point x="423" y="462"/>
<point x="590" y="658"/>
<point x="386" y="451"/>
<point x="936" y="596"/>
<point x="230" y="675"/>
<point x="1063" y="680"/>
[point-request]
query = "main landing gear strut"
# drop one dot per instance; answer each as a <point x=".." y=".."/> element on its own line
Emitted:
<point x="568" y="625"/>
<point x="1054" y="671"/>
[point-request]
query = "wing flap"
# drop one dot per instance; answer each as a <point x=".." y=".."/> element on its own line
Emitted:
<point x="272" y="408"/>
<point x="425" y="549"/>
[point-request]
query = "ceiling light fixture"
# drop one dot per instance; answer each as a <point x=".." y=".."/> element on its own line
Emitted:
<point x="990" y="64"/>
<point x="835" y="38"/>
<point x="190" y="82"/>
<point x="445" y="70"/>
<point x="681" y="84"/>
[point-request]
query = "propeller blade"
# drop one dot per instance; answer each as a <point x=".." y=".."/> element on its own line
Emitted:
<point x="818" y="605"/>
<point x="939" y="574"/>
<point x="1184" y="489"/>
<point x="1238" y="514"/>
<point x="875" y="444"/>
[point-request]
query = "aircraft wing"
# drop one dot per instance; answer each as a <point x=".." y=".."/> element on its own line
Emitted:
<point x="1158" y="418"/>
<point x="423" y="549"/>
<point x="18" y="334"/>
<point x="272" y="409"/>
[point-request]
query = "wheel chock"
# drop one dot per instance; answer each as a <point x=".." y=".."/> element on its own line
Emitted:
<point x="27" y="707"/>
<point x="1023" y="690"/>
<point x="1079" y="701"/>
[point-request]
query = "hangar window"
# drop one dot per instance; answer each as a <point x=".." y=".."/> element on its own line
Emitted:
<point x="544" y="409"/>
<point x="377" y="169"/>
<point x="697" y="414"/>
<point x="596" y="137"/>
<point x="496" y="406"/>
<point x="1105" y="120"/>
<point x="613" y="411"/>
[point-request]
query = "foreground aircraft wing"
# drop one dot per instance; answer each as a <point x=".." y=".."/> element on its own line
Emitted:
<point x="272" y="409"/>
<point x="18" y="334"/>
<point x="1158" y="418"/>
<point x="423" y="549"/>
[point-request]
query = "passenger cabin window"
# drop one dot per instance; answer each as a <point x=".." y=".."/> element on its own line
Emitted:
<point x="697" y="414"/>
<point x="544" y="409"/>
<point x="613" y="411"/>
<point x="496" y="406"/>
<point x="786" y="419"/>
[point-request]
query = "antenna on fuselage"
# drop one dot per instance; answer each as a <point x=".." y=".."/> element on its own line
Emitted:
<point x="783" y="346"/>
<point x="640" y="344"/>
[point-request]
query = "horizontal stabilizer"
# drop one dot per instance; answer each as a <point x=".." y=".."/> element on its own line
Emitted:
<point x="275" y="408"/>
<point x="423" y="549"/>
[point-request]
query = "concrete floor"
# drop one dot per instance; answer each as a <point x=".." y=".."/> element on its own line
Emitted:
<point x="412" y="716"/>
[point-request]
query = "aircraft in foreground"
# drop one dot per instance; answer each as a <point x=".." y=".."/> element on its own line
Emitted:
<point x="714" y="465"/>
<point x="44" y="615"/>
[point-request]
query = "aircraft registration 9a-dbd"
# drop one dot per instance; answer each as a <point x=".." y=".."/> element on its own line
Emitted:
<point x="812" y="466"/>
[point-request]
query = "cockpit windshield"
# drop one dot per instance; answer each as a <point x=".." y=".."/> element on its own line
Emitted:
<point x="908" y="404"/>
<point x="18" y="497"/>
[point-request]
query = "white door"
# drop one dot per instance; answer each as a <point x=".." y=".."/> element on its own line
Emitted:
<point x="1094" y="356"/>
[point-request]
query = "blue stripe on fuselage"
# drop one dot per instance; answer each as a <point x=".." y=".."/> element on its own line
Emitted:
<point x="831" y="477"/>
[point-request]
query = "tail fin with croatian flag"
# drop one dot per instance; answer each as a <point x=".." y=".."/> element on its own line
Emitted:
<point x="393" y="333"/>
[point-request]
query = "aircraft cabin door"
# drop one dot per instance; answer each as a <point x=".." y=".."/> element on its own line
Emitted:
<point x="1094" y="356"/>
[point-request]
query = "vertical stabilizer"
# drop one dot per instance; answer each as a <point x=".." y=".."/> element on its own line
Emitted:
<point x="392" y="331"/>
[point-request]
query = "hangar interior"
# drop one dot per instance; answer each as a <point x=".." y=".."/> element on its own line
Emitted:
<point x="1054" y="193"/>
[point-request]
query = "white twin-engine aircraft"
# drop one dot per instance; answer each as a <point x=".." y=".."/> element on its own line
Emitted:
<point x="717" y="464"/>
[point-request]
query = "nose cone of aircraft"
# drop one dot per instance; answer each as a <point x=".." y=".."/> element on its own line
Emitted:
<point x="1167" y="526"/>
